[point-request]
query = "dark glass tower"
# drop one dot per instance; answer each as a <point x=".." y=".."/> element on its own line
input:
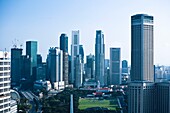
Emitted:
<point x="142" y="68"/>
<point x="64" y="48"/>
<point x="99" y="57"/>
<point x="81" y="52"/>
<point x="115" y="65"/>
<point x="90" y="67"/>
<point x="31" y="53"/>
<point x="64" y="42"/>
<point x="16" y="66"/>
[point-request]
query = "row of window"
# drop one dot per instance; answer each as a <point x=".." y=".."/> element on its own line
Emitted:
<point x="4" y="68"/>
<point x="4" y="63"/>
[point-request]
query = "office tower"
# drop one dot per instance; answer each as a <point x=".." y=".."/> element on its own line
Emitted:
<point x="142" y="68"/>
<point x="31" y="53"/>
<point x="78" y="72"/>
<point x="115" y="65"/>
<point x="74" y="53"/>
<point x="81" y="52"/>
<point x="55" y="68"/>
<point x="4" y="82"/>
<point x="25" y="67"/>
<point x="39" y="60"/>
<point x="41" y="72"/>
<point x="141" y="89"/>
<point x="16" y="66"/>
<point x="106" y="72"/>
<point x="106" y="63"/>
<point x="99" y="57"/>
<point x="124" y="66"/>
<point x="64" y="48"/>
<point x="64" y="43"/>
<point x="90" y="67"/>
<point x="141" y="98"/>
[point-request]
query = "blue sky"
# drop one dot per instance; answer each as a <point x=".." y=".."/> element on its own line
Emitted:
<point x="44" y="21"/>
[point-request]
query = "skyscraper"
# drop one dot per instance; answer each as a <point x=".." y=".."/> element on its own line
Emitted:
<point x="55" y="67"/>
<point x="74" y="53"/>
<point x="141" y="89"/>
<point x="16" y="66"/>
<point x="64" y="48"/>
<point x="64" y="42"/>
<point x="99" y="57"/>
<point x="4" y="82"/>
<point x="124" y="66"/>
<point x="90" y="67"/>
<point x="142" y="68"/>
<point x="115" y="65"/>
<point x="81" y="52"/>
<point x="78" y="72"/>
<point x="31" y="53"/>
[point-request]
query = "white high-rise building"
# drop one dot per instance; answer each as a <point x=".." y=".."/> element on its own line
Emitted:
<point x="4" y="82"/>
<point x="74" y="52"/>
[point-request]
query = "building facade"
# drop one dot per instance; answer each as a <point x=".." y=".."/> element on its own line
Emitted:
<point x="64" y="48"/>
<point x="31" y="53"/>
<point x="99" y="57"/>
<point x="141" y="95"/>
<point x="55" y="68"/>
<point x="90" y="67"/>
<point x="141" y="98"/>
<point x="74" y="52"/>
<point x="78" y="72"/>
<point x="4" y="82"/>
<point x="142" y="68"/>
<point x="16" y="66"/>
<point x="115" y="66"/>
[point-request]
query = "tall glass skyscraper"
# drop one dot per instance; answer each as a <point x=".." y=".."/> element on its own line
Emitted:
<point x="31" y="53"/>
<point x="74" y="53"/>
<point x="99" y="57"/>
<point x="142" y="68"/>
<point x="141" y="89"/>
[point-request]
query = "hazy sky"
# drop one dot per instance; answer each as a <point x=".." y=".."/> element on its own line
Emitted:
<point x="45" y="20"/>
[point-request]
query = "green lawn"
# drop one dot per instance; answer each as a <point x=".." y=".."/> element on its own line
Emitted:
<point x="87" y="103"/>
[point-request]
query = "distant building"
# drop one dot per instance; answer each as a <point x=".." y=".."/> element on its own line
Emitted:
<point x="31" y="53"/>
<point x="81" y="52"/>
<point x="41" y="72"/>
<point x="74" y="52"/>
<point x="5" y="82"/>
<point x="107" y="72"/>
<point x="16" y="66"/>
<point x="99" y="57"/>
<point x="124" y="66"/>
<point x="115" y="65"/>
<point x="55" y="68"/>
<point x="64" y="48"/>
<point x="39" y="60"/>
<point x="90" y="67"/>
<point x="78" y="72"/>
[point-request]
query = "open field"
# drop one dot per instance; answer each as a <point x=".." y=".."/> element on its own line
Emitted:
<point x="84" y="103"/>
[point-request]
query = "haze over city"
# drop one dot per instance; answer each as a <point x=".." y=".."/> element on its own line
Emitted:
<point x="44" y="22"/>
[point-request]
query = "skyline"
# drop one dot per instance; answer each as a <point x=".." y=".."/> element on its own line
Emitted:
<point x="45" y="21"/>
